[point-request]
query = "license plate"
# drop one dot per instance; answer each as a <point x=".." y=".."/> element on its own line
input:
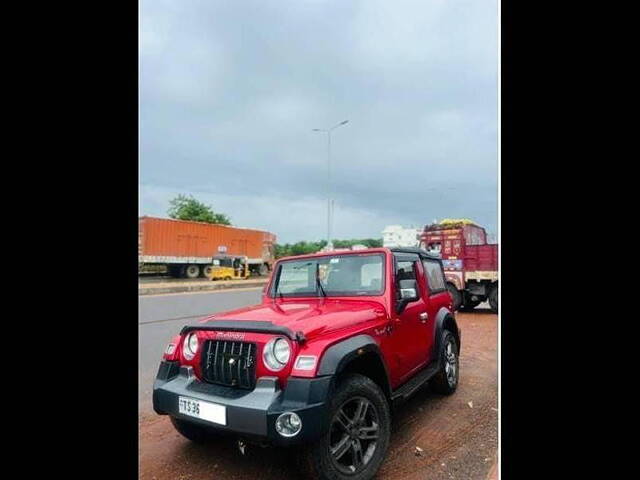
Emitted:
<point x="204" y="410"/>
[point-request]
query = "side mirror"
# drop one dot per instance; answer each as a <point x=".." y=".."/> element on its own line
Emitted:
<point x="408" y="293"/>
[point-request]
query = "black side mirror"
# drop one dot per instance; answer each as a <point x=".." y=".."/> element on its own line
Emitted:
<point x="408" y="290"/>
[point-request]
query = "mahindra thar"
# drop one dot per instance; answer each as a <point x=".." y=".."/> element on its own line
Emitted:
<point x="338" y="340"/>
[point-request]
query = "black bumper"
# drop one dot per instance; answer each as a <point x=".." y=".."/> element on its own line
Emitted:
<point x="249" y="414"/>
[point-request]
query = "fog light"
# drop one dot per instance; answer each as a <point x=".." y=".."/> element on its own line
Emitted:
<point x="288" y="424"/>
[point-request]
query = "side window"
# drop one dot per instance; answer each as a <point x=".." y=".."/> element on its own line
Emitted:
<point x="435" y="278"/>
<point x="405" y="270"/>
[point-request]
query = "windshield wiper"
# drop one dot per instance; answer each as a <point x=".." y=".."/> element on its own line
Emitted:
<point x="318" y="281"/>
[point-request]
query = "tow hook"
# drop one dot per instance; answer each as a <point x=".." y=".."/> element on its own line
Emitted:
<point x="241" y="446"/>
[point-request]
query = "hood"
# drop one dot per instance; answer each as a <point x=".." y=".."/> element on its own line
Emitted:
<point x="311" y="317"/>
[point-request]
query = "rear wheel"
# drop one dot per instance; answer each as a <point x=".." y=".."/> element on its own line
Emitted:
<point x="358" y="435"/>
<point x="207" y="270"/>
<point x="191" y="431"/>
<point x="446" y="380"/>
<point x="192" y="271"/>
<point x="493" y="299"/>
<point x="456" y="296"/>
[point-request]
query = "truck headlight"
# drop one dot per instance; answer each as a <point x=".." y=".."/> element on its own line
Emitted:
<point x="190" y="346"/>
<point x="276" y="353"/>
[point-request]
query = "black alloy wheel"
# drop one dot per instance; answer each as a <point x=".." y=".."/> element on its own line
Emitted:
<point x="358" y="433"/>
<point x="354" y="435"/>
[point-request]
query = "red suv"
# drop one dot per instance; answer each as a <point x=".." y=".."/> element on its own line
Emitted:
<point x="339" y="338"/>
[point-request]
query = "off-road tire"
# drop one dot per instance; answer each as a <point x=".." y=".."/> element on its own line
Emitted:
<point x="317" y="460"/>
<point x="493" y="299"/>
<point x="455" y="295"/>
<point x="191" y="431"/>
<point x="440" y="383"/>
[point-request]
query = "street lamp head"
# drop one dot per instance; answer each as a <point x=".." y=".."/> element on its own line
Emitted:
<point x="346" y="121"/>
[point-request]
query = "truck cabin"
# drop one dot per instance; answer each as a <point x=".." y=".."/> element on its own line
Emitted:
<point x="448" y="241"/>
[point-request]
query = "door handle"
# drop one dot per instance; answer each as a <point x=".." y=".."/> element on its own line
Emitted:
<point x="424" y="317"/>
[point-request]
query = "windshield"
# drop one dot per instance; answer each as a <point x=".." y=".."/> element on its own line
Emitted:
<point x="338" y="275"/>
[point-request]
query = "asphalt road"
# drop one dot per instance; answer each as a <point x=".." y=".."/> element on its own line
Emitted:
<point x="160" y="317"/>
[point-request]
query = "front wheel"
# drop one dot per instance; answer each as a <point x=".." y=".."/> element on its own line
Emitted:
<point x="358" y="435"/>
<point x="456" y="296"/>
<point x="446" y="380"/>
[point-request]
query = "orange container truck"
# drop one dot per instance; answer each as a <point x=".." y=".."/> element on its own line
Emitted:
<point x="186" y="248"/>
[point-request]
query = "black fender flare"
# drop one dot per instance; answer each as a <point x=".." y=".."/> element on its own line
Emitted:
<point x="444" y="316"/>
<point x="337" y="357"/>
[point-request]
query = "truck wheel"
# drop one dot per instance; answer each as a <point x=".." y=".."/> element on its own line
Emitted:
<point x="455" y="295"/>
<point x="192" y="271"/>
<point x="358" y="435"/>
<point x="263" y="270"/>
<point x="206" y="271"/>
<point x="191" y="431"/>
<point x="446" y="380"/>
<point x="493" y="299"/>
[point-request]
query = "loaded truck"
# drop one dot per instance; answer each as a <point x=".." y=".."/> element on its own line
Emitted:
<point x="470" y="263"/>
<point x="187" y="248"/>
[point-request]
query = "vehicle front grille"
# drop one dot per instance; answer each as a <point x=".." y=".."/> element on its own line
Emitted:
<point x="229" y="363"/>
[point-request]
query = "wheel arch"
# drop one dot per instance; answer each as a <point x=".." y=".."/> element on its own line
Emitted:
<point x="360" y="354"/>
<point x="445" y="320"/>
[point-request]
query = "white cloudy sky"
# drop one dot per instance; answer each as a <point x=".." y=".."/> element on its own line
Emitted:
<point x="231" y="90"/>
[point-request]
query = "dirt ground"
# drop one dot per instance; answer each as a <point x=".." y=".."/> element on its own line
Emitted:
<point x="458" y="434"/>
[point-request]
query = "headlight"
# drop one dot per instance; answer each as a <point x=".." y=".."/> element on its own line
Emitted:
<point x="190" y="346"/>
<point x="276" y="353"/>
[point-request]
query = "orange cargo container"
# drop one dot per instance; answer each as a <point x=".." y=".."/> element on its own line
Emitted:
<point x="185" y="247"/>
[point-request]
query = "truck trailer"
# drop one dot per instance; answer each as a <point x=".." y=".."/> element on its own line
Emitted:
<point x="470" y="263"/>
<point x="187" y="248"/>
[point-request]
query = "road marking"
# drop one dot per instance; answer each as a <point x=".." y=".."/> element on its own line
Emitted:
<point x="222" y="290"/>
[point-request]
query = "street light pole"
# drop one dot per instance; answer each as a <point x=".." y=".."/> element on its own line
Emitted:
<point x="329" y="200"/>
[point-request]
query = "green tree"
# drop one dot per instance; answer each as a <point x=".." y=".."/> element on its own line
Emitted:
<point x="302" y="248"/>
<point x="185" y="207"/>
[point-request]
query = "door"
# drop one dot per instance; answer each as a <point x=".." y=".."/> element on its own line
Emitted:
<point x="409" y="339"/>
<point x="437" y="296"/>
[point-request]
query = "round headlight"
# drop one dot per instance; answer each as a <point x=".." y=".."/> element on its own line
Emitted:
<point x="276" y="354"/>
<point x="190" y="346"/>
<point x="281" y="351"/>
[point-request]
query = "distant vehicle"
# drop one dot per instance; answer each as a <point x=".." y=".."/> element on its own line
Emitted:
<point x="470" y="263"/>
<point x="398" y="236"/>
<point x="186" y="248"/>
<point x="226" y="267"/>
<point x="338" y="338"/>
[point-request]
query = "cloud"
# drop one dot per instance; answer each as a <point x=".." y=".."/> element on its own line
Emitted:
<point x="230" y="91"/>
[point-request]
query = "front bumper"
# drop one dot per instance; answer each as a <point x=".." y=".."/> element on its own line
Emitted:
<point x="250" y="414"/>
